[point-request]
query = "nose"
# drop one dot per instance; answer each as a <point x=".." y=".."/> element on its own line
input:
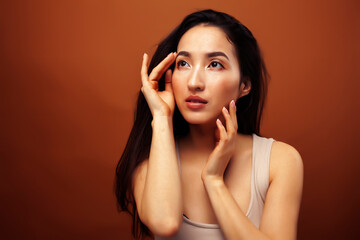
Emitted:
<point x="196" y="80"/>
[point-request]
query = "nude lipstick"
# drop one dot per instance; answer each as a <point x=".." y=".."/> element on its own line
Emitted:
<point x="195" y="102"/>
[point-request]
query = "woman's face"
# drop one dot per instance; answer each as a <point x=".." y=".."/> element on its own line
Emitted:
<point x="206" y="75"/>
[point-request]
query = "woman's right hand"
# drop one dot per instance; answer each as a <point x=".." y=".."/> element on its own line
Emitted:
<point x="161" y="103"/>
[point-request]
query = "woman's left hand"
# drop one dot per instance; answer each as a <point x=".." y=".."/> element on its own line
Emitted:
<point x="225" y="145"/>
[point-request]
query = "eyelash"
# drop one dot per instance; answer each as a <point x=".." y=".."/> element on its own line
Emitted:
<point x="221" y="66"/>
<point x="182" y="61"/>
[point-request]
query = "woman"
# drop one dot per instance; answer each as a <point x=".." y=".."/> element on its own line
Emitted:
<point x="195" y="166"/>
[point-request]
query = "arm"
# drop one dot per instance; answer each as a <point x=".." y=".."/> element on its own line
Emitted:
<point x="156" y="182"/>
<point x="282" y="202"/>
<point x="279" y="220"/>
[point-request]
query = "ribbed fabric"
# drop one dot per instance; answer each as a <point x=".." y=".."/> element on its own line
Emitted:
<point x="259" y="186"/>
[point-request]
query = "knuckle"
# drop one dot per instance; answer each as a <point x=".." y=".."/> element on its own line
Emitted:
<point x="231" y="134"/>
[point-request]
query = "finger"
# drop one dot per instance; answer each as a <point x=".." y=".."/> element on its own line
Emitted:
<point x="232" y="110"/>
<point x="229" y="123"/>
<point x="222" y="130"/>
<point x="144" y="69"/>
<point x="168" y="81"/>
<point x="217" y="135"/>
<point x="159" y="70"/>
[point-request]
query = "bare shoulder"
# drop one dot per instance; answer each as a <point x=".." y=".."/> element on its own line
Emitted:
<point x="283" y="150"/>
<point x="284" y="194"/>
<point x="284" y="159"/>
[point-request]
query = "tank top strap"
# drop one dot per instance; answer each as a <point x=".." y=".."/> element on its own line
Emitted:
<point x="261" y="164"/>
<point x="259" y="177"/>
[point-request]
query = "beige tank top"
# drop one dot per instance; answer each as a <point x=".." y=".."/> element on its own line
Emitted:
<point x="259" y="186"/>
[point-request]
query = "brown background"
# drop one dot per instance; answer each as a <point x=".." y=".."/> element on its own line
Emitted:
<point x="69" y="79"/>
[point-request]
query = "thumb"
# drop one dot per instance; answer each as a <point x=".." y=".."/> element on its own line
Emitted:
<point x="168" y="81"/>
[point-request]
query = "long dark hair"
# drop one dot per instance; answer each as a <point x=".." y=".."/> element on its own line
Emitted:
<point x="249" y="107"/>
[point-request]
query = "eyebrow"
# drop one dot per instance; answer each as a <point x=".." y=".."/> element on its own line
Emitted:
<point x="216" y="54"/>
<point x="209" y="55"/>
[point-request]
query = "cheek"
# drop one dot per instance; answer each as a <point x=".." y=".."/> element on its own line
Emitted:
<point x="176" y="84"/>
<point x="228" y="88"/>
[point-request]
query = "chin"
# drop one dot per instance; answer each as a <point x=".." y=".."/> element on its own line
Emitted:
<point x="199" y="119"/>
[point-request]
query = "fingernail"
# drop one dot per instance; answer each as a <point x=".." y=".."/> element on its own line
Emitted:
<point x="218" y="121"/>
<point x="225" y="110"/>
<point x="232" y="103"/>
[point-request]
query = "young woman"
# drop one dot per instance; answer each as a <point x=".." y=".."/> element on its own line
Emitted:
<point x="195" y="165"/>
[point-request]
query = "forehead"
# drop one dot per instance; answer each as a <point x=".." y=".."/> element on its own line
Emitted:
<point x="203" y="38"/>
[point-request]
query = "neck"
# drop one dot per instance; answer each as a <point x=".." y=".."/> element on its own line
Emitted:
<point x="202" y="136"/>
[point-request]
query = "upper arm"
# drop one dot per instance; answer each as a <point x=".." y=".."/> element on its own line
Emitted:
<point x="138" y="184"/>
<point x="282" y="203"/>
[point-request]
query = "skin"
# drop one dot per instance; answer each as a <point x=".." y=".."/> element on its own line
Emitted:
<point x="206" y="66"/>
<point x="214" y="184"/>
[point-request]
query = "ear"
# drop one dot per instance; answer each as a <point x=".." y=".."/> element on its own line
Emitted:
<point x="245" y="87"/>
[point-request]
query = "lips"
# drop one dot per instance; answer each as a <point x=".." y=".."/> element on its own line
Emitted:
<point x="195" y="102"/>
<point x="195" y="99"/>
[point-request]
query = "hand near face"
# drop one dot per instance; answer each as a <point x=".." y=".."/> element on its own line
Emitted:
<point x="225" y="146"/>
<point x="161" y="103"/>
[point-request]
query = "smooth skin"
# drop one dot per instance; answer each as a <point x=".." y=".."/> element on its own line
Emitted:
<point x="159" y="202"/>
<point x="214" y="183"/>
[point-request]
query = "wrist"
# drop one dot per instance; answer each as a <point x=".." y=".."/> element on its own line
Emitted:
<point x="213" y="180"/>
<point x="161" y="121"/>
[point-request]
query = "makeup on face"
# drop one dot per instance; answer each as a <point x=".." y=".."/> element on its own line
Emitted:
<point x="206" y="75"/>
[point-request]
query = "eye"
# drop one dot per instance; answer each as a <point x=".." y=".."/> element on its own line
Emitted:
<point x="182" y="63"/>
<point x="215" y="64"/>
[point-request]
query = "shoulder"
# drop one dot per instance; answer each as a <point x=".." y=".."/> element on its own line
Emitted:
<point x="283" y="150"/>
<point x="285" y="160"/>
<point x="284" y="194"/>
